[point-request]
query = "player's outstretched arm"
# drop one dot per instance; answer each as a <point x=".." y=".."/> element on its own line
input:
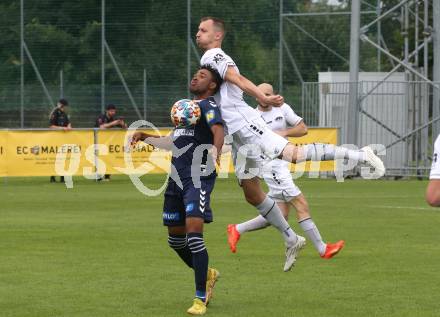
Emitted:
<point x="249" y="88"/>
<point x="161" y="142"/>
<point x="295" y="132"/>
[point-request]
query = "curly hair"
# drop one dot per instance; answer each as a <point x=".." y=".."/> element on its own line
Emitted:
<point x="215" y="74"/>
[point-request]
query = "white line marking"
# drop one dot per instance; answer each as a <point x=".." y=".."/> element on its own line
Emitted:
<point x="403" y="207"/>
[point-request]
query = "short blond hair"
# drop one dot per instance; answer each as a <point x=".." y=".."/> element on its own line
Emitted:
<point x="218" y="23"/>
<point x="266" y="88"/>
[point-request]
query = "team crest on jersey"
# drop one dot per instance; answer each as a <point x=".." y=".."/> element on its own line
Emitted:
<point x="218" y="58"/>
<point x="210" y="115"/>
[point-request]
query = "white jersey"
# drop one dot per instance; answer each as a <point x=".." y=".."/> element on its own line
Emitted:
<point x="236" y="113"/>
<point x="435" y="168"/>
<point x="280" y="118"/>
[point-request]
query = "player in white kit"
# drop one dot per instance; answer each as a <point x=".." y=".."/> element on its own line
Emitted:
<point x="285" y="122"/>
<point x="433" y="189"/>
<point x="253" y="142"/>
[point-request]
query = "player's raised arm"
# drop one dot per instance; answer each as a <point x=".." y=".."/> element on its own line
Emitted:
<point x="249" y="88"/>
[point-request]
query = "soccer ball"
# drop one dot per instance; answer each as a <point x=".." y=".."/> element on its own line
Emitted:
<point x="185" y="113"/>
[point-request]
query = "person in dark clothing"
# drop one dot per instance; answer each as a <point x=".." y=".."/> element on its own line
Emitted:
<point x="108" y="120"/>
<point x="59" y="119"/>
<point x="187" y="198"/>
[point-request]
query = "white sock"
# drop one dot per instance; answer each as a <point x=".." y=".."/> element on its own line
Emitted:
<point x="272" y="213"/>
<point x="254" y="224"/>
<point x="358" y="156"/>
<point x="313" y="234"/>
<point x="329" y="152"/>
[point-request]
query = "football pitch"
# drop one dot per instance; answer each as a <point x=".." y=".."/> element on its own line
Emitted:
<point x="100" y="249"/>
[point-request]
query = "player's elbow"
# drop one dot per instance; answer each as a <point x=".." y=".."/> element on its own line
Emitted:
<point x="304" y="130"/>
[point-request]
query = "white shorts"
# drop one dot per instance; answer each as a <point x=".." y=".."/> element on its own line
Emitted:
<point x="281" y="185"/>
<point x="253" y="146"/>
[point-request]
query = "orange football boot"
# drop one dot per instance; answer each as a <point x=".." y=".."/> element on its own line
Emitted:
<point x="332" y="249"/>
<point x="233" y="237"/>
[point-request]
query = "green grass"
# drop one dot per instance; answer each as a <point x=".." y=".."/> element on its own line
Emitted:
<point x="100" y="249"/>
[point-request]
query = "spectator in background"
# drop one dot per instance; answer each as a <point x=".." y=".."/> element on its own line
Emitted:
<point x="59" y="119"/>
<point x="107" y="120"/>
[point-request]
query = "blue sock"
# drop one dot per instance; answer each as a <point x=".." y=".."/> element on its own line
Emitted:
<point x="179" y="244"/>
<point x="200" y="262"/>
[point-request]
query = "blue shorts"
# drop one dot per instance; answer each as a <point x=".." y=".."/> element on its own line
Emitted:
<point x="187" y="202"/>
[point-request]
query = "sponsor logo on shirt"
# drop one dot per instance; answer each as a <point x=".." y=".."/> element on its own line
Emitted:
<point x="218" y="58"/>
<point x="170" y="215"/>
<point x="278" y="118"/>
<point x="189" y="207"/>
<point x="184" y="132"/>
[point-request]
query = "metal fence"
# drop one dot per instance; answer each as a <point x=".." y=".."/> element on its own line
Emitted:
<point x="394" y="114"/>
<point x="81" y="51"/>
<point x="85" y="104"/>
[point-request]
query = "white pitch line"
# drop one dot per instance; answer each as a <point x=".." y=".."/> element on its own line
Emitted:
<point x="317" y="196"/>
<point x="403" y="207"/>
<point x="380" y="206"/>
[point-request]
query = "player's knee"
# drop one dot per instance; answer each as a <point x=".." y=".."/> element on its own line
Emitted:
<point x="194" y="224"/>
<point x="177" y="242"/>
<point x="302" y="207"/>
<point x="432" y="194"/>
<point x="254" y="199"/>
<point x="290" y="153"/>
<point x="255" y="196"/>
<point x="302" y="214"/>
<point x="433" y="200"/>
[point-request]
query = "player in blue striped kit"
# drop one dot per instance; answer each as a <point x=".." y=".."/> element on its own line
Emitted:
<point x="187" y="196"/>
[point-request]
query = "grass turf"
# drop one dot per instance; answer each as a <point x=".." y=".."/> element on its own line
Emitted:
<point x="100" y="249"/>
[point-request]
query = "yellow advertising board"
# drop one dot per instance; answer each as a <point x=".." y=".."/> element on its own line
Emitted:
<point x="118" y="157"/>
<point x="3" y="159"/>
<point x="34" y="153"/>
